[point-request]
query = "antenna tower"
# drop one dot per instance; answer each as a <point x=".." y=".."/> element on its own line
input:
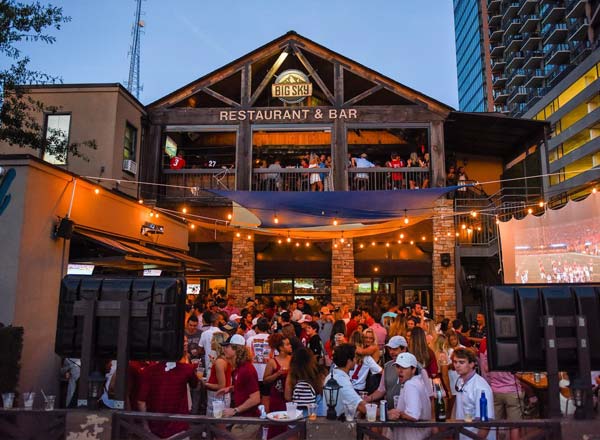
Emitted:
<point x="133" y="83"/>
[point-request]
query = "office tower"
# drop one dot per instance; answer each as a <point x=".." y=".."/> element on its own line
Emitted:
<point x="472" y="56"/>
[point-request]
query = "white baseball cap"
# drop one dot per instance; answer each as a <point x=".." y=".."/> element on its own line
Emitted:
<point x="235" y="340"/>
<point x="396" y="342"/>
<point x="305" y="318"/>
<point x="234" y="316"/>
<point x="406" y="360"/>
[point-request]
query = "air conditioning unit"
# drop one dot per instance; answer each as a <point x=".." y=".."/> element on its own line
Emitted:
<point x="130" y="166"/>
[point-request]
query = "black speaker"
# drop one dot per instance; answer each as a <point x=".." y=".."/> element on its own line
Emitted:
<point x="64" y="229"/>
<point x="445" y="260"/>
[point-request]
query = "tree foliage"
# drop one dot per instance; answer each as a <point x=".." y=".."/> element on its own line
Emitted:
<point x="22" y="22"/>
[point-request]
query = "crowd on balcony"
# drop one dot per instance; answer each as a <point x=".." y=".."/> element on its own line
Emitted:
<point x="237" y="359"/>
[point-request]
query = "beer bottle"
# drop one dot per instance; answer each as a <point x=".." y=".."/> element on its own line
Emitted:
<point x="440" y="407"/>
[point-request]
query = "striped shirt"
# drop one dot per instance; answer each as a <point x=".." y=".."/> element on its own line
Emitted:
<point x="304" y="394"/>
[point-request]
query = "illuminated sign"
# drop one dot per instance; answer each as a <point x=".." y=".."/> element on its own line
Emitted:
<point x="291" y="87"/>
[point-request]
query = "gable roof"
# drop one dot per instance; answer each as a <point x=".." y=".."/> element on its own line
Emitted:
<point x="277" y="45"/>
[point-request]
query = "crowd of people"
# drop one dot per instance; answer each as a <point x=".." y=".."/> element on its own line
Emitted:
<point x="236" y="359"/>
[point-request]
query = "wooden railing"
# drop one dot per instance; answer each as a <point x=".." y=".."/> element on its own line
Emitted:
<point x="188" y="183"/>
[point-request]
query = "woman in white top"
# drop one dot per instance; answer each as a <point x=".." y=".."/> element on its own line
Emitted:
<point x="315" y="178"/>
<point x="364" y="364"/>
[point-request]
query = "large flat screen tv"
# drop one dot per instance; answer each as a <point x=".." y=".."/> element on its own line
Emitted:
<point x="156" y="336"/>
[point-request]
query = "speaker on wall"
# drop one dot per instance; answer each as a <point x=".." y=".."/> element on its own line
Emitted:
<point x="445" y="260"/>
<point x="64" y="229"/>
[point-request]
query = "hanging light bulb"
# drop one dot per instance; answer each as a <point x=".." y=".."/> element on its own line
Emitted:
<point x="141" y="202"/>
<point x="387" y="245"/>
<point x="279" y="241"/>
<point x="594" y="190"/>
<point x="297" y="244"/>
<point x="361" y="246"/>
<point x="289" y="240"/>
<point x="193" y="226"/>
<point x="448" y="234"/>
<point x="335" y="245"/>
<point x="399" y="241"/>
<point x="156" y="215"/>
<point x="238" y="235"/>
<point x="249" y="237"/>
<point x="530" y="211"/>
<point x="151" y="214"/>
<point x="276" y="219"/>
<point x="401" y="236"/>
<point x="412" y="242"/>
<point x="184" y="210"/>
<point x="457" y="234"/>
<point x="479" y="228"/>
<point x="541" y="204"/>
<point x="372" y="243"/>
<point x="375" y="269"/>
<point x="423" y="238"/>
<point x="463" y="226"/>
<point x="435" y="239"/>
<point x="307" y="244"/>
<point x="473" y="214"/>
<point x="229" y="216"/>
<point x="335" y="222"/>
<point x="97" y="190"/>
<point x="405" y="220"/>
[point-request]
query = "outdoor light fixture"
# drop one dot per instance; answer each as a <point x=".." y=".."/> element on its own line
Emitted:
<point x="405" y="217"/>
<point x="331" y="392"/>
<point x="275" y="219"/>
<point x="95" y="389"/>
<point x="151" y="229"/>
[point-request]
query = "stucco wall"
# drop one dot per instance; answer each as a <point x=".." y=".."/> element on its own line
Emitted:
<point x="33" y="262"/>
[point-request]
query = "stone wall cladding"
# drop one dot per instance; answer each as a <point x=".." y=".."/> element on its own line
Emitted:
<point x="342" y="272"/>
<point x="242" y="270"/>
<point x="444" y="278"/>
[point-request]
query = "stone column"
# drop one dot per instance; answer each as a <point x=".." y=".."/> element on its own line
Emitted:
<point x="444" y="278"/>
<point x="242" y="269"/>
<point x="342" y="272"/>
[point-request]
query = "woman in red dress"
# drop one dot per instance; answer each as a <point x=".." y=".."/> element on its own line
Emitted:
<point x="275" y="374"/>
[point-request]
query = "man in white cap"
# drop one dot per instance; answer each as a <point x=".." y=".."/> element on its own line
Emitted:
<point x="413" y="403"/>
<point x="389" y="386"/>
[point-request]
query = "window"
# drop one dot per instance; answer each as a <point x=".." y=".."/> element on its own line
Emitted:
<point x="129" y="142"/>
<point x="57" y="137"/>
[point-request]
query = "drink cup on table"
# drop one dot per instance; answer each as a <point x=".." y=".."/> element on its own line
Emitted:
<point x="7" y="400"/>
<point x="469" y="413"/>
<point x="291" y="409"/>
<point x="312" y="411"/>
<point x="49" y="403"/>
<point x="218" y="406"/>
<point x="371" y="412"/>
<point x="349" y="411"/>
<point x="28" y="399"/>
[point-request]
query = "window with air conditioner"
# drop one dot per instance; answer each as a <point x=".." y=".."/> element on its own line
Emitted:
<point x="57" y="138"/>
<point x="129" y="149"/>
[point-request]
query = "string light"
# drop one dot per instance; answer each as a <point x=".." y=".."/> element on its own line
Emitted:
<point x="387" y="245"/>
<point x="361" y="246"/>
<point x="530" y="211"/>
<point x="372" y="243"/>
<point x="594" y="190"/>
<point x="405" y="218"/>
<point x="151" y="214"/>
<point x="541" y="204"/>
<point x="479" y="228"/>
<point x="401" y="236"/>
<point x="249" y="237"/>
<point x="229" y="216"/>
<point x="399" y="241"/>
<point x="97" y="191"/>
<point x="435" y="239"/>
<point x="497" y="220"/>
<point x="140" y="201"/>
<point x="276" y="219"/>
<point x="457" y="234"/>
<point x="238" y="235"/>
<point x="473" y="214"/>
<point x="463" y="226"/>
<point x="307" y="244"/>
<point x="193" y="226"/>
<point x="156" y="215"/>
<point x="412" y="242"/>
<point x="279" y="241"/>
<point x="335" y="222"/>
<point x="423" y="238"/>
<point x="376" y="269"/>
<point x="297" y="244"/>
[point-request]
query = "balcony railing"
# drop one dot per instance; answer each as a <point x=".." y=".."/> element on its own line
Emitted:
<point x="527" y="6"/>
<point x="554" y="33"/>
<point x="190" y="182"/>
<point x="530" y="22"/>
<point x="519" y="94"/>
<point x="513" y="25"/>
<point x="553" y="13"/>
<point x="575" y="8"/>
<point x="377" y="179"/>
<point x="578" y="29"/>
<point x="532" y="41"/>
<point x="533" y="58"/>
<point x="557" y="54"/>
<point x="292" y="179"/>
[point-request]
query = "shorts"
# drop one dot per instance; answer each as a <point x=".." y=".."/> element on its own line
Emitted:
<point x="507" y="406"/>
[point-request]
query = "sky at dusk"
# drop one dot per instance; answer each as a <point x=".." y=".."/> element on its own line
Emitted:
<point x="411" y="41"/>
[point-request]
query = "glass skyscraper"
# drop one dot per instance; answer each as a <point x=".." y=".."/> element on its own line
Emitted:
<point x="470" y="55"/>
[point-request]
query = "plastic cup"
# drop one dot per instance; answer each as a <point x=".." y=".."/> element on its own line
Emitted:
<point x="349" y="410"/>
<point x="469" y="412"/>
<point x="218" y="406"/>
<point x="396" y="401"/>
<point x="291" y="409"/>
<point x="28" y="399"/>
<point x="468" y="417"/>
<point x="7" y="400"/>
<point x="200" y="372"/>
<point x="49" y="403"/>
<point x="371" y="412"/>
<point x="312" y="411"/>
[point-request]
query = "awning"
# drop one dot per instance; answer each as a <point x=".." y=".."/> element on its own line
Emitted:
<point x="128" y="254"/>
<point x="315" y="214"/>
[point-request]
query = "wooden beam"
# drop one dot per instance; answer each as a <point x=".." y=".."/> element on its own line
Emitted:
<point x="220" y="97"/>
<point x="276" y="65"/>
<point x="338" y="83"/>
<point x="339" y="151"/>
<point x="314" y="74"/>
<point x="363" y="95"/>
<point x="246" y="85"/>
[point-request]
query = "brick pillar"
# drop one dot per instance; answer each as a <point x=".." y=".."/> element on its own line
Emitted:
<point x="242" y="269"/>
<point x="342" y="272"/>
<point x="444" y="278"/>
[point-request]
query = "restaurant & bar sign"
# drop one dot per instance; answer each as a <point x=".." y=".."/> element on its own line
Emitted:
<point x="296" y="114"/>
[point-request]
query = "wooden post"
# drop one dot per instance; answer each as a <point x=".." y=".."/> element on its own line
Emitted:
<point x="583" y="361"/>
<point x="437" y="155"/>
<point x="122" y="353"/>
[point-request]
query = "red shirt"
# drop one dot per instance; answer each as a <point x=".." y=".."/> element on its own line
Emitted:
<point x="245" y="383"/>
<point x="350" y="327"/>
<point x="212" y="378"/>
<point x="166" y="392"/>
<point x="177" y="163"/>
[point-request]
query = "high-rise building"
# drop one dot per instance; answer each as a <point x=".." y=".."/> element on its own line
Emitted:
<point x="472" y="56"/>
<point x="543" y="56"/>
